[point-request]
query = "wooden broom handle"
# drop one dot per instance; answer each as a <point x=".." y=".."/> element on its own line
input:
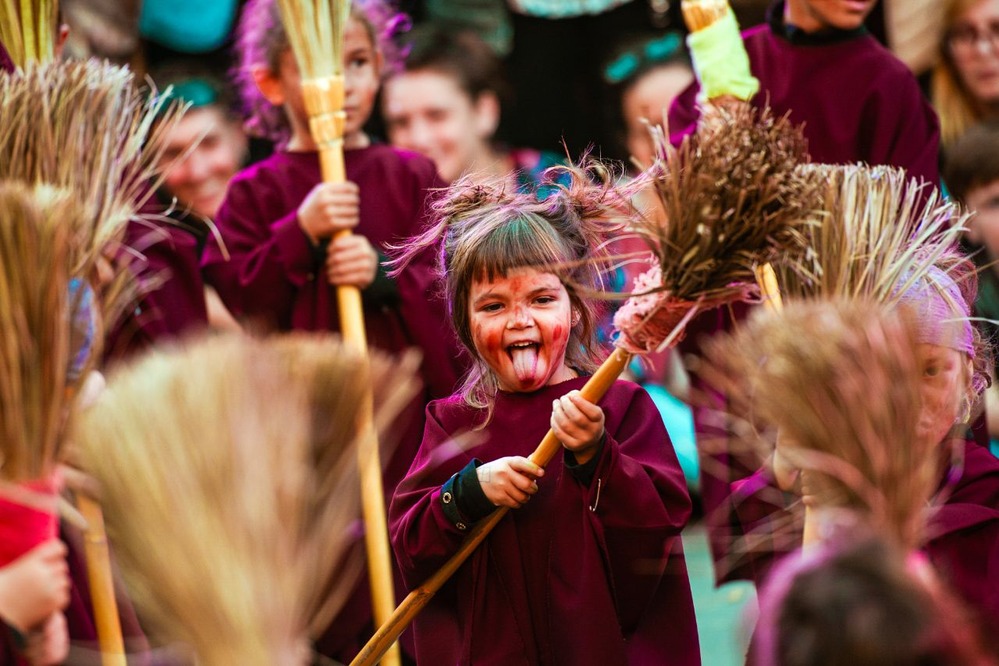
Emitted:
<point x="102" y="596"/>
<point x="324" y="104"/>
<point x="594" y="389"/>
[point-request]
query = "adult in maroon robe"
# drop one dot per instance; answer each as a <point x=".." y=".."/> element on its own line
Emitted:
<point x="857" y="101"/>
<point x="276" y="280"/>
<point x="589" y="571"/>
<point x="963" y="531"/>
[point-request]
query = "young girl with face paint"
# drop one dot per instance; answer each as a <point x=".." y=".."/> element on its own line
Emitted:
<point x="280" y="268"/>
<point x="588" y="568"/>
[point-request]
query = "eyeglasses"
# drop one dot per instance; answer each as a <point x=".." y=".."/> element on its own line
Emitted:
<point x="964" y="39"/>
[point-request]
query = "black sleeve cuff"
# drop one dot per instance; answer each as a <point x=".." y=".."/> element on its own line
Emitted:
<point x="383" y="291"/>
<point x="462" y="499"/>
<point x="584" y="473"/>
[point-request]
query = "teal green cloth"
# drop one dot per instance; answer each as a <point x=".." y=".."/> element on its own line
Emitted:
<point x="679" y="421"/>
<point x="188" y="26"/>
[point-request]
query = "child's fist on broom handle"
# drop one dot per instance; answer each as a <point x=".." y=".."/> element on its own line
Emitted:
<point x="579" y="425"/>
<point x="34" y="586"/>
<point x="329" y="208"/>
<point x="509" y="481"/>
<point x="351" y="260"/>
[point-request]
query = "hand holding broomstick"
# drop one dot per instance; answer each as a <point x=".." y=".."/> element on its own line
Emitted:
<point x="728" y="209"/>
<point x="315" y="29"/>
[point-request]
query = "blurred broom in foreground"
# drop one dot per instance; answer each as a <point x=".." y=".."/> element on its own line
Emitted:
<point x="809" y="372"/>
<point x="85" y="127"/>
<point x="227" y="471"/>
<point x="733" y="200"/>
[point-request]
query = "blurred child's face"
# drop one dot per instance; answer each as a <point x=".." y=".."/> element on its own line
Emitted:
<point x="973" y="42"/>
<point x="945" y="378"/>
<point x="428" y="112"/>
<point x="362" y="68"/>
<point x="200" y="179"/>
<point x="983" y="228"/>
<point x="648" y="99"/>
<point x="520" y="326"/>
<point x="818" y="15"/>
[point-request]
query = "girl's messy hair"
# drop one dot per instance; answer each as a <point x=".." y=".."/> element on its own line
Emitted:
<point x="485" y="230"/>
<point x="261" y="39"/>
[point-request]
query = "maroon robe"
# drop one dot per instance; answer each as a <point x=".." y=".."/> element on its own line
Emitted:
<point x="276" y="279"/>
<point x="963" y="532"/>
<point x="164" y="258"/>
<point x="557" y="582"/>
<point x="858" y="102"/>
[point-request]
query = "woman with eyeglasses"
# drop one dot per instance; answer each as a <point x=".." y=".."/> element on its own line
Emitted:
<point x="965" y="86"/>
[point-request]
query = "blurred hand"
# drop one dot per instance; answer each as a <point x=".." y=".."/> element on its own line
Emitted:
<point x="351" y="260"/>
<point x="34" y="586"/>
<point x="329" y="208"/>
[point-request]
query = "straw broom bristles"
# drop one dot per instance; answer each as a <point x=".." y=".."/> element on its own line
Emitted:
<point x="733" y="199"/>
<point x="810" y="372"/>
<point x="28" y="29"/>
<point x="36" y="340"/>
<point x="85" y="127"/>
<point x="228" y="492"/>
<point x="879" y="234"/>
<point x="699" y="14"/>
<point x="315" y="32"/>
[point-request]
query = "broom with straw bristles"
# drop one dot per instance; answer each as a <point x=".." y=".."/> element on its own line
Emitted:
<point x="227" y="472"/>
<point x="809" y="372"/>
<point x="28" y="29"/>
<point x="86" y="127"/>
<point x="880" y="235"/>
<point x="38" y="350"/>
<point x="315" y="30"/>
<point x="733" y="199"/>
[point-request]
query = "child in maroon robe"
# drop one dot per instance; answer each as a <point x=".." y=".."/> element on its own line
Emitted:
<point x="589" y="567"/>
<point x="963" y="529"/>
<point x="276" y="222"/>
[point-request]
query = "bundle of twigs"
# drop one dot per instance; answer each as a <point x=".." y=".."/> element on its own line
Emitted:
<point x="315" y="30"/>
<point x="880" y="234"/>
<point x="733" y="200"/>
<point x="228" y="478"/>
<point x="36" y="340"/>
<point x="85" y="127"/>
<point x="810" y="371"/>
<point x="28" y="29"/>
<point x="700" y="14"/>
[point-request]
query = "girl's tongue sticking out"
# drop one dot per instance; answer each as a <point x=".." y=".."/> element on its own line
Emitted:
<point x="525" y="361"/>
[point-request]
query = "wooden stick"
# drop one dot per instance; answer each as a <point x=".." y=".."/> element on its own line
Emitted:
<point x="767" y="279"/>
<point x="324" y="99"/>
<point x="594" y="389"/>
<point x="102" y="596"/>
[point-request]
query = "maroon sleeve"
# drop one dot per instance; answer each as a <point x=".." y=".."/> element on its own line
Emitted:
<point x="270" y="257"/>
<point x="639" y="503"/>
<point x="423" y="537"/>
<point x="684" y="114"/>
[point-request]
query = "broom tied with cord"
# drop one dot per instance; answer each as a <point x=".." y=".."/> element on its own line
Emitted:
<point x="315" y="30"/>
<point x="732" y="200"/>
